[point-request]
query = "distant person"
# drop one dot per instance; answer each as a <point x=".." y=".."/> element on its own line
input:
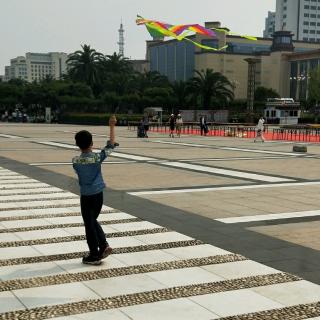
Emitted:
<point x="179" y="124"/>
<point x="88" y="168"/>
<point x="203" y="126"/>
<point x="171" y="125"/>
<point x="146" y="126"/>
<point x="259" y="130"/>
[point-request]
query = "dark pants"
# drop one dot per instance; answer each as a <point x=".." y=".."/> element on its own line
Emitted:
<point x="90" y="210"/>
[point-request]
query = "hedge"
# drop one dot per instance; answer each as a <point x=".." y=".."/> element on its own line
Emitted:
<point x="97" y="118"/>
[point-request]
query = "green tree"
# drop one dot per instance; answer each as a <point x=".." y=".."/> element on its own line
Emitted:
<point x="86" y="66"/>
<point x="261" y="94"/>
<point x="210" y="88"/>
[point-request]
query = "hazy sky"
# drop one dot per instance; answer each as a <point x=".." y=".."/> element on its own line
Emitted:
<point x="63" y="25"/>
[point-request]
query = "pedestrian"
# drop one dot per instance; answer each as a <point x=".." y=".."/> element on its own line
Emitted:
<point x="146" y="126"/>
<point x="88" y="168"/>
<point x="179" y="124"/>
<point x="203" y="126"/>
<point x="172" y="123"/>
<point x="259" y="130"/>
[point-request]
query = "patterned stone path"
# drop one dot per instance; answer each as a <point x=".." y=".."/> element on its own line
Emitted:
<point x="154" y="273"/>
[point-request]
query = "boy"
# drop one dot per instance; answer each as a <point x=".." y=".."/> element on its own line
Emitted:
<point x="259" y="129"/>
<point x="88" y="169"/>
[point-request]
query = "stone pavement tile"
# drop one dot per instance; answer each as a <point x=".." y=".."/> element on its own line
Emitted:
<point x="68" y="247"/>
<point x="76" y="265"/>
<point x="177" y="309"/>
<point x="183" y="277"/>
<point x="109" y="287"/>
<point x="8" y="237"/>
<point x="239" y="269"/>
<point x="9" y="302"/>
<point x="305" y="234"/>
<point x="17" y="252"/>
<point x="162" y="237"/>
<point x="78" y="231"/>
<point x="200" y="251"/>
<point x="29" y="270"/>
<point x="291" y="293"/>
<point x="24" y="223"/>
<point x="290" y="167"/>
<point x="98" y="315"/>
<point x="140" y="225"/>
<point x="144" y="257"/>
<point x="55" y="294"/>
<point x="42" y="234"/>
<point x="235" y="302"/>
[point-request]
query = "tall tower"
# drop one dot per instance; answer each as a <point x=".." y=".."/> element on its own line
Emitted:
<point x="121" y="40"/>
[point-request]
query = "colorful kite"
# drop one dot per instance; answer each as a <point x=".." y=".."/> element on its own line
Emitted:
<point x="181" y="31"/>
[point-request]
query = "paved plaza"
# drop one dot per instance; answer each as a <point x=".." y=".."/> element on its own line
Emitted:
<point x="202" y="228"/>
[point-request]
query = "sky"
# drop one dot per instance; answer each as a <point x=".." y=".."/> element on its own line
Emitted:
<point x="64" y="25"/>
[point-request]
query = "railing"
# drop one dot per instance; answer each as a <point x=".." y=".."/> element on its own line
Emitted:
<point x="303" y="135"/>
<point x="193" y="128"/>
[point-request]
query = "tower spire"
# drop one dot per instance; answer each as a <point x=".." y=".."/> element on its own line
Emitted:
<point x="121" y="39"/>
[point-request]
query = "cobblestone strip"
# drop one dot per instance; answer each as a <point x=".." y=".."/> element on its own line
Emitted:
<point x="74" y="255"/>
<point x="30" y="185"/>
<point x="66" y="225"/>
<point x="80" y="237"/>
<point x="297" y="312"/>
<point x="44" y="199"/>
<point x="26" y="191"/>
<point x="126" y="300"/>
<point x="66" y="205"/>
<point x="52" y="215"/>
<point x="116" y="272"/>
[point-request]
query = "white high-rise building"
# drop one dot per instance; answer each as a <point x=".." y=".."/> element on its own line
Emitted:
<point x="37" y="66"/>
<point x="301" y="17"/>
<point x="270" y="25"/>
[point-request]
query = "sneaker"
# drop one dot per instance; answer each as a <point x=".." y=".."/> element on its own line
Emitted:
<point x="95" y="261"/>
<point x="106" y="252"/>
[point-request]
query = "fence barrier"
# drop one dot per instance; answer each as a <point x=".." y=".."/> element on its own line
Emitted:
<point x="239" y="131"/>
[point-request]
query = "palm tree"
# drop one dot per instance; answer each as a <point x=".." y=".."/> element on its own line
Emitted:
<point x="116" y="63"/>
<point x="211" y="87"/>
<point x="181" y="92"/>
<point x="85" y="66"/>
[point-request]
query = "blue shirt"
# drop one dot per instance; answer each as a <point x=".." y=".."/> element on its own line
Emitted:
<point x="88" y="168"/>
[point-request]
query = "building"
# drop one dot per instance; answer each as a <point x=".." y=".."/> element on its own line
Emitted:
<point x="270" y="25"/>
<point x="140" y="65"/>
<point x="301" y="17"/>
<point x="37" y="66"/>
<point x="276" y="56"/>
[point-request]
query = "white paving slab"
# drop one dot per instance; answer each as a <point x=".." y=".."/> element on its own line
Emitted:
<point x="18" y="252"/>
<point x="177" y="309"/>
<point x="55" y="294"/>
<point x="123" y="285"/>
<point x="232" y="303"/>
<point x="240" y="269"/>
<point x="200" y="251"/>
<point x="184" y="277"/>
<point x="291" y="293"/>
<point x="9" y="302"/>
<point x="30" y="270"/>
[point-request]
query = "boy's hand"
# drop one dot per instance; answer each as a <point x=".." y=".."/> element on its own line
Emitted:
<point x="110" y="145"/>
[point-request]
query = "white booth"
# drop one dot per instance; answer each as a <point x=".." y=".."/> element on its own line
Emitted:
<point x="282" y="110"/>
